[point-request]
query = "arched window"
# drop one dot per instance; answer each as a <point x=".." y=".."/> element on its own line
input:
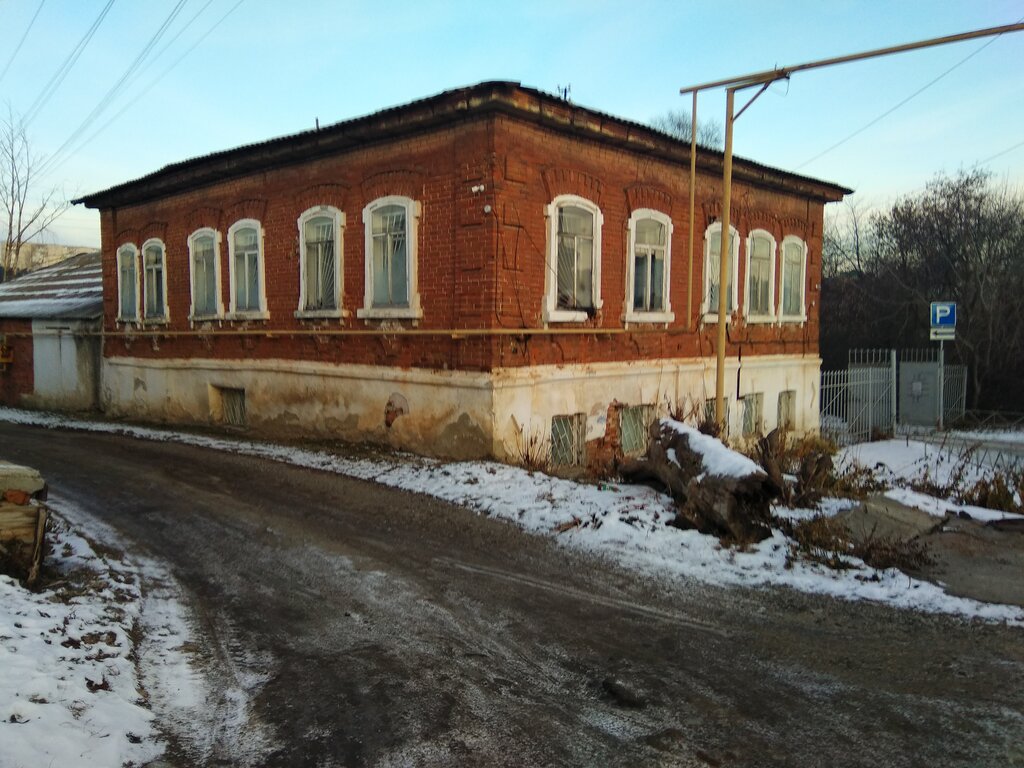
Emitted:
<point x="760" y="294"/>
<point x="648" y="267"/>
<point x="248" y="292"/>
<point x="712" y="264"/>
<point x="573" y="279"/>
<point x="320" y="247"/>
<point x="793" y="307"/>
<point x="204" y="262"/>
<point x="154" y="284"/>
<point x="127" y="283"/>
<point x="391" y="234"/>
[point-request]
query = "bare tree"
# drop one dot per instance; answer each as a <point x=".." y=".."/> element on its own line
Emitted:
<point x="962" y="239"/>
<point x="845" y="240"/>
<point x="679" y="124"/>
<point x="27" y="210"/>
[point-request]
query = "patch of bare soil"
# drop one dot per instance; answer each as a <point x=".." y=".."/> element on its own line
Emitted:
<point x="969" y="558"/>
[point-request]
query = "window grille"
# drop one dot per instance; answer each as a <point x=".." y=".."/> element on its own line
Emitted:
<point x="232" y="406"/>
<point x="753" y="414"/>
<point x="634" y="426"/>
<point x="787" y="409"/>
<point x="567" y="440"/>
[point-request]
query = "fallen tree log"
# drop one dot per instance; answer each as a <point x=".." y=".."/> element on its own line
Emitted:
<point x="717" y="490"/>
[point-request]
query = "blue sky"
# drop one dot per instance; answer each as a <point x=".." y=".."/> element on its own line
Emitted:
<point x="272" y="68"/>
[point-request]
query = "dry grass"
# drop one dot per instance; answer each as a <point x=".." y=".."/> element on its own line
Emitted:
<point x="532" y="452"/>
<point x="827" y="541"/>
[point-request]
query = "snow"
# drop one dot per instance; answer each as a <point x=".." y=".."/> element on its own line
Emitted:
<point x="906" y="461"/>
<point x="49" y="715"/>
<point x="55" y="646"/>
<point x="718" y="461"/>
<point x="627" y="524"/>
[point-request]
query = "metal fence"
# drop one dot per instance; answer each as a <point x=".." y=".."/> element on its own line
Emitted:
<point x="881" y="391"/>
<point x="856" y="404"/>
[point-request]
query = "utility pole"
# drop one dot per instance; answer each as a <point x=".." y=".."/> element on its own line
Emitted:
<point x="765" y="79"/>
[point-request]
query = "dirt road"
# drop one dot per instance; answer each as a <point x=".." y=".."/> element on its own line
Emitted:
<point x="368" y="626"/>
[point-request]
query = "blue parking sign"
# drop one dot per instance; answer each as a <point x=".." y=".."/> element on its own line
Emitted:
<point x="943" y="314"/>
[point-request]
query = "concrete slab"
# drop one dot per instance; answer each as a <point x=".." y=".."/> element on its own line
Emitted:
<point x="972" y="559"/>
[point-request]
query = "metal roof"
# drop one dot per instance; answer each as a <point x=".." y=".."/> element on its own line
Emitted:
<point x="425" y="114"/>
<point x="72" y="289"/>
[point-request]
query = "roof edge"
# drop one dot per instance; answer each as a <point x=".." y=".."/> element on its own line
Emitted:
<point x="444" y="108"/>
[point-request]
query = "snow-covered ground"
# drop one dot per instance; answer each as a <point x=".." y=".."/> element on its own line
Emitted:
<point x="70" y="692"/>
<point x="70" y="689"/>
<point x="903" y="461"/>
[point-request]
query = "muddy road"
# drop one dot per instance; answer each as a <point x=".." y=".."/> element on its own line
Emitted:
<point x="368" y="626"/>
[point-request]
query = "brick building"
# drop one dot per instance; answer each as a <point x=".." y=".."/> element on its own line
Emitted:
<point x="488" y="271"/>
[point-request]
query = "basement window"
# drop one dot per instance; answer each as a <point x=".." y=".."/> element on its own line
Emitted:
<point x="753" y="414"/>
<point x="709" y="413"/>
<point x="227" y="406"/>
<point x="567" y="440"/>
<point x="787" y="409"/>
<point x="634" y="428"/>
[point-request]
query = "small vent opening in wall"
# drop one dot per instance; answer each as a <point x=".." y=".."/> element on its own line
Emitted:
<point x="227" y="406"/>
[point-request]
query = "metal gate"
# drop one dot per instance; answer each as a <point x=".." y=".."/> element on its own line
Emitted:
<point x="923" y="375"/>
<point x="881" y="390"/>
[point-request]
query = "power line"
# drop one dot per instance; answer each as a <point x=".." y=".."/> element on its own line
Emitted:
<point x="902" y="102"/>
<point x="22" y="41"/>
<point x="58" y="77"/>
<point x="158" y="78"/>
<point x="1006" y="151"/>
<point x="108" y="97"/>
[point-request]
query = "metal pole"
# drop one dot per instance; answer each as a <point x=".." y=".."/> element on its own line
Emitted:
<point x="892" y="388"/>
<point x="725" y="251"/>
<point x="779" y="73"/>
<point x="942" y="380"/>
<point x="693" y="192"/>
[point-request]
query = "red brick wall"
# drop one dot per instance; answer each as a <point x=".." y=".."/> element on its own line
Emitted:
<point x="540" y="165"/>
<point x="476" y="269"/>
<point x="18" y="378"/>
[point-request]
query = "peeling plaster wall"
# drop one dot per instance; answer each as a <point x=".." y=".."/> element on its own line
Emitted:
<point x="437" y="413"/>
<point x="526" y="399"/>
<point x="453" y="414"/>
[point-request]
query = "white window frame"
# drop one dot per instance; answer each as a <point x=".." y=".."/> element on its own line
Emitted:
<point x="770" y="315"/>
<point x="551" y="313"/>
<point x="802" y="317"/>
<point x="714" y="230"/>
<point x="120" y="288"/>
<point x="247" y="314"/>
<point x="338" y="217"/>
<point x="413" y="211"/>
<point x="666" y="315"/>
<point x="166" y="315"/>
<point x="219" y="309"/>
